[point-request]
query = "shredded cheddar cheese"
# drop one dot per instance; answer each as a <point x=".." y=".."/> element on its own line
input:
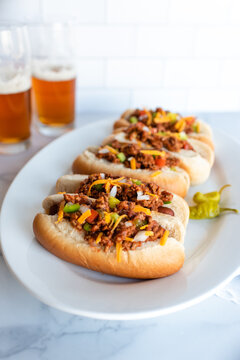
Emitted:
<point x="156" y="173"/>
<point x="107" y="187"/>
<point x="96" y="182"/>
<point x="139" y="208"/>
<point x="133" y="163"/>
<point x="164" y="238"/>
<point x="161" y="118"/>
<point x="153" y="152"/>
<point x="149" y="233"/>
<point x="180" y="125"/>
<point x="62" y="192"/>
<point x="111" y="149"/>
<point x="84" y="216"/>
<point x="107" y="183"/>
<point x="111" y="223"/>
<point x="198" y="127"/>
<point x="118" y="221"/>
<point x="189" y="118"/>
<point x="126" y="184"/>
<point x="107" y="217"/>
<point x="172" y="116"/>
<point x="99" y="237"/>
<point x="150" y="194"/>
<point x="143" y="227"/>
<point x="117" y="180"/>
<point x="128" y="238"/>
<point x="149" y="120"/>
<point x="60" y="212"/>
<point x="119" y="251"/>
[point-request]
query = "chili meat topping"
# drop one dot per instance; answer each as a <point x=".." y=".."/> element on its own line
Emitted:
<point x="165" y="120"/>
<point x="125" y="226"/>
<point x="148" y="195"/>
<point x="134" y="157"/>
<point x="158" y="139"/>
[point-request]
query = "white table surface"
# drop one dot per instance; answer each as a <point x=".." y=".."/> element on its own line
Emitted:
<point x="30" y="330"/>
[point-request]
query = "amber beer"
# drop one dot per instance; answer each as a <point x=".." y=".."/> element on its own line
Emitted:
<point x="15" y="116"/>
<point x="54" y="98"/>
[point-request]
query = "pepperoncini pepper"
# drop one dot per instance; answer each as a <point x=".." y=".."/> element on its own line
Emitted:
<point x="208" y="205"/>
<point x="212" y="196"/>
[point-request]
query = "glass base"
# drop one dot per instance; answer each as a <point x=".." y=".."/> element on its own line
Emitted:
<point x="53" y="130"/>
<point x="14" y="148"/>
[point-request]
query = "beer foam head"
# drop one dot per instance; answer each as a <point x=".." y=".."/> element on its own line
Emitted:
<point x="14" y="83"/>
<point x="52" y="72"/>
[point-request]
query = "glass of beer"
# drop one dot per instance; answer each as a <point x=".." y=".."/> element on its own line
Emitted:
<point x="53" y="77"/>
<point x="15" y="83"/>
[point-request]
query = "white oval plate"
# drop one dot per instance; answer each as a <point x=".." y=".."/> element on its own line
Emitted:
<point x="212" y="246"/>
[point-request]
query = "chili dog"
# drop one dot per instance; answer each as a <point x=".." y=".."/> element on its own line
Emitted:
<point x="195" y="156"/>
<point x="129" y="160"/>
<point x="148" y="195"/>
<point x="125" y="239"/>
<point x="167" y="121"/>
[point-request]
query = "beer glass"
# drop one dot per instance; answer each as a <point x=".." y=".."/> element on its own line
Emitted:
<point x="53" y="77"/>
<point x="15" y="83"/>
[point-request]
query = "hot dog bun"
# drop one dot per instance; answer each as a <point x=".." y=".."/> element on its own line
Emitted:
<point x="149" y="261"/>
<point x="197" y="163"/>
<point x="175" y="181"/>
<point x="70" y="183"/>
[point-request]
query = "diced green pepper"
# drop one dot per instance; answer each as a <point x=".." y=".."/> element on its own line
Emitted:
<point x="133" y="119"/>
<point x="172" y="116"/>
<point x="71" y="208"/>
<point x="161" y="133"/>
<point x="87" y="227"/>
<point x="101" y="213"/>
<point x="137" y="182"/>
<point x="98" y="187"/>
<point x="167" y="202"/>
<point x="195" y="128"/>
<point x="114" y="216"/>
<point x="140" y="223"/>
<point x="113" y="202"/>
<point x="154" y="115"/>
<point x="121" y="157"/>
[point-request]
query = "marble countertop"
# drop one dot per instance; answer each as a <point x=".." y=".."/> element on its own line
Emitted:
<point x="30" y="330"/>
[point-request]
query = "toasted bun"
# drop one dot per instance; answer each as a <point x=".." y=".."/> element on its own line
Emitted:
<point x="204" y="150"/>
<point x="175" y="181"/>
<point x="123" y="122"/>
<point x="196" y="163"/>
<point x="205" y="134"/>
<point x="120" y="123"/>
<point x="147" y="262"/>
<point x="70" y="183"/>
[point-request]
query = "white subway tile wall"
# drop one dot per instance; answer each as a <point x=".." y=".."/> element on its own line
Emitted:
<point x="180" y="54"/>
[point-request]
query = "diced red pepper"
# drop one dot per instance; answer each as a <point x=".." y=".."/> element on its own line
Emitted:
<point x="187" y="146"/>
<point x="160" y="162"/>
<point x="93" y="216"/>
<point x="142" y="112"/>
<point x="190" y="119"/>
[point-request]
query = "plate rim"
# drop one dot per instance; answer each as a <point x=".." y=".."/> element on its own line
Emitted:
<point x="108" y="315"/>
